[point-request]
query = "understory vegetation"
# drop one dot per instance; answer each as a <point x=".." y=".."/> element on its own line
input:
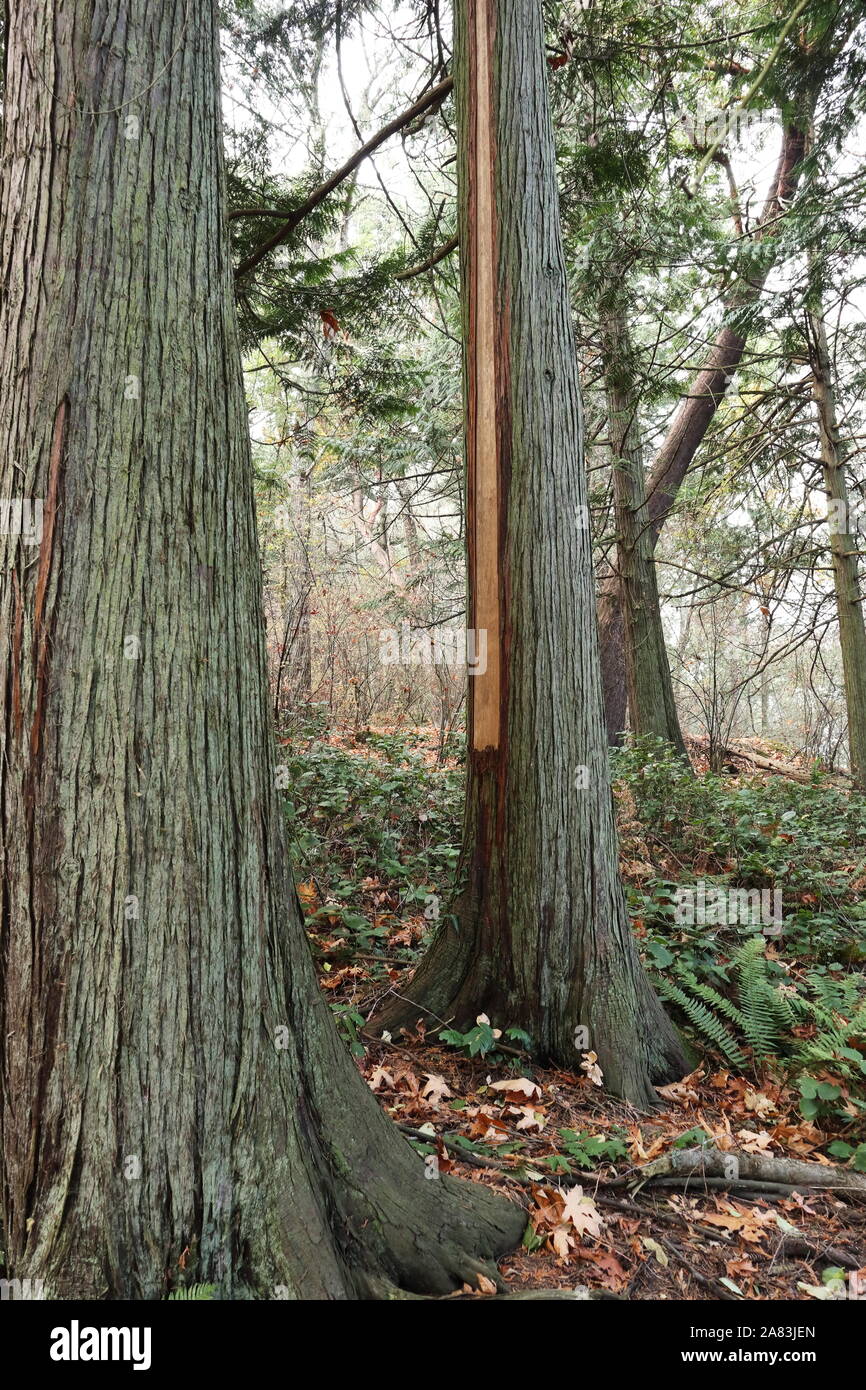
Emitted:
<point x="376" y="828"/>
<point x="774" y="1014"/>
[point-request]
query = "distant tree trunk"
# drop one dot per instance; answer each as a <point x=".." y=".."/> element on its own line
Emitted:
<point x="843" y="548"/>
<point x="648" y="674"/>
<point x="374" y="532"/>
<point x="301" y="650"/>
<point x="765" y="702"/>
<point x="171" y="1078"/>
<point x="689" y="426"/>
<point x="410" y="529"/>
<point x="611" y="636"/>
<point x="542" y="938"/>
<point x="293" y="678"/>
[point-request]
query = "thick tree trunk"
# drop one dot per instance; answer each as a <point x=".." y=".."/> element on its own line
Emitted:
<point x="843" y="548"/>
<point x="647" y="670"/>
<point x="171" y="1079"/>
<point x="693" y="417"/>
<point x="542" y="938"/>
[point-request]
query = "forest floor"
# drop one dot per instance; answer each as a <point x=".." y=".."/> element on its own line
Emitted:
<point x="375" y="819"/>
<point x="542" y="1137"/>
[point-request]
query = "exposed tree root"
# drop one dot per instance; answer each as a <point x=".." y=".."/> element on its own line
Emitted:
<point x="800" y="1248"/>
<point x="582" y="1294"/>
<point x="435" y="1236"/>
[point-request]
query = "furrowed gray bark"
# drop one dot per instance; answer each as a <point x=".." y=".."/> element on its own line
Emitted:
<point x="173" y="1087"/>
<point x="648" y="680"/>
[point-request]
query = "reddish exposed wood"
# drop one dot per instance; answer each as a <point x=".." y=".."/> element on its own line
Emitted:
<point x="483" y="359"/>
<point x="536" y="932"/>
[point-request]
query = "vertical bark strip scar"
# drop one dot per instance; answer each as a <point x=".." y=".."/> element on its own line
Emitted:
<point x="484" y="434"/>
<point x="46" y="555"/>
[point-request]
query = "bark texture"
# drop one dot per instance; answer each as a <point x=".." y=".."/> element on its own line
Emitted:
<point x="542" y="938"/>
<point x="171" y="1079"/>
<point x="691" y="421"/>
<point x="648" y="680"/>
<point x="843" y="549"/>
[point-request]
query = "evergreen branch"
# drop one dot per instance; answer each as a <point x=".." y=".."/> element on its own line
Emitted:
<point x="754" y="88"/>
<point x="432" y="260"/>
<point x="430" y="98"/>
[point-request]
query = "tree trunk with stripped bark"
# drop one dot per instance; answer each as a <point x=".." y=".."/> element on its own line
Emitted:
<point x="539" y="936"/>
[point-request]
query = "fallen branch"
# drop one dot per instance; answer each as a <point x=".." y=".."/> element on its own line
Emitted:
<point x="582" y="1293"/>
<point x="803" y="1247"/>
<point x="751" y="1169"/>
<point x="748" y="1191"/>
<point x="461" y="1153"/>
<point x="796" y="774"/>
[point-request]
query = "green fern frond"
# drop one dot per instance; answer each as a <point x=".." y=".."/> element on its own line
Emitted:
<point x="705" y="1021"/>
<point x="758" y="998"/>
<point x="808" y="1011"/>
<point x="764" y="1017"/>
<point x="711" y="996"/>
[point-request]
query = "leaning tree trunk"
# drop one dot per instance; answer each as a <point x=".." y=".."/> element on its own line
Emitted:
<point x="541" y="937"/>
<point x="695" y="414"/>
<point x="843" y="548"/>
<point x="649" y="685"/>
<point x="171" y="1079"/>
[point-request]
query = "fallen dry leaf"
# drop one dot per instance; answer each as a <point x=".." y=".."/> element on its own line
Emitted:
<point x="682" y="1092"/>
<point x="592" y="1069"/>
<point x="516" y="1087"/>
<point x="562" y="1241"/>
<point x="606" y="1264"/>
<point x="583" y="1214"/>
<point x="749" y="1223"/>
<point x="760" y="1104"/>
<point x="489" y="1127"/>
<point x="436" y="1089"/>
<point x="532" y="1118"/>
<point x="754" y="1143"/>
<point x="381" y="1079"/>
